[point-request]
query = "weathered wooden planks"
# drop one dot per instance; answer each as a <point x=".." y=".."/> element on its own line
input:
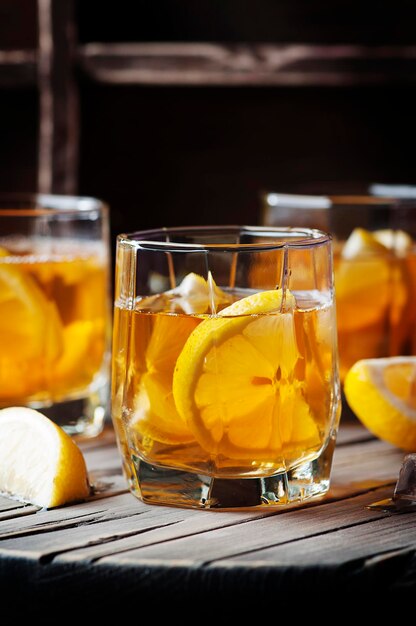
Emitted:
<point x="201" y="539"/>
<point x="114" y="535"/>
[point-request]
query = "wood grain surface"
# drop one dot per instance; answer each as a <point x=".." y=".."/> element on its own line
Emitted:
<point x="113" y="548"/>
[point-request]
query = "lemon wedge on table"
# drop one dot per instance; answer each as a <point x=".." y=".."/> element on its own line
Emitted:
<point x="382" y="394"/>
<point x="39" y="462"/>
<point x="234" y="383"/>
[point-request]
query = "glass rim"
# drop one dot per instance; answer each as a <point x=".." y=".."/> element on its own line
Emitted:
<point x="38" y="204"/>
<point x="276" y="200"/>
<point x="302" y="238"/>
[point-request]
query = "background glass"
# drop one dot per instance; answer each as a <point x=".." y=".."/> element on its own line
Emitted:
<point x="55" y="308"/>
<point x="225" y="372"/>
<point x="374" y="263"/>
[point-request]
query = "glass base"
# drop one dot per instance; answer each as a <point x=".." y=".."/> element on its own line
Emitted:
<point x="82" y="417"/>
<point x="160" y="485"/>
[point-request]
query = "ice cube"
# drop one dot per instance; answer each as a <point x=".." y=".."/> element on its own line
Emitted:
<point x="195" y="295"/>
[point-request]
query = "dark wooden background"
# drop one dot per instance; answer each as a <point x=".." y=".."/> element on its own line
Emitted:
<point x="180" y="112"/>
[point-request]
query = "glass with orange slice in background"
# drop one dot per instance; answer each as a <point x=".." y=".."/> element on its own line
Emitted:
<point x="55" y="316"/>
<point x="374" y="265"/>
<point x="225" y="385"/>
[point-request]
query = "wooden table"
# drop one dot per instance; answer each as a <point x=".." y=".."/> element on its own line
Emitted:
<point x="113" y="550"/>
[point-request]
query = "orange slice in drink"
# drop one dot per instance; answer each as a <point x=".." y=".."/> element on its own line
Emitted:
<point x="30" y="327"/>
<point x="30" y="330"/>
<point x="235" y="382"/>
<point x="362" y="281"/>
<point x="84" y="344"/>
<point x="155" y="415"/>
<point x="397" y="240"/>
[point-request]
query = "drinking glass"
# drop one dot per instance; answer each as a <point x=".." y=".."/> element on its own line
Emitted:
<point x="55" y="310"/>
<point x="225" y="386"/>
<point x="374" y="264"/>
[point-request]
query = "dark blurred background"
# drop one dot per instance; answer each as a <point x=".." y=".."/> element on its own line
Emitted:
<point x="280" y="95"/>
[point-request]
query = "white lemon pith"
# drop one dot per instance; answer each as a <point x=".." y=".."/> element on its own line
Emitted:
<point x="39" y="462"/>
<point x="382" y="394"/>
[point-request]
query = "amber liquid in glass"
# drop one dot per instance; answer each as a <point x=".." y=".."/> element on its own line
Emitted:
<point x="262" y="395"/>
<point x="53" y="319"/>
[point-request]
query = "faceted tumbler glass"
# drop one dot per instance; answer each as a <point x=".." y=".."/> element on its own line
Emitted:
<point x="225" y="386"/>
<point x="55" y="309"/>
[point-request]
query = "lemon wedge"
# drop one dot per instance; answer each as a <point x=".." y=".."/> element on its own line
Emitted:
<point x="39" y="462"/>
<point x="382" y="394"/>
<point x="235" y="386"/>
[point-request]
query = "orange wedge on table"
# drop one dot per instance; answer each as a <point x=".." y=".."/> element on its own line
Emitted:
<point x="382" y="394"/>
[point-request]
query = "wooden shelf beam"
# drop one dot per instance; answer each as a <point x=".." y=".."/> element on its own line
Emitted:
<point x="18" y="68"/>
<point x="222" y="65"/>
<point x="247" y="65"/>
<point x="58" y="98"/>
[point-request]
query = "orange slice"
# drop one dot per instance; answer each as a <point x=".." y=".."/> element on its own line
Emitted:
<point x="30" y="331"/>
<point x="235" y="385"/>
<point x="362" y="282"/>
<point x="155" y="415"/>
<point x="28" y="321"/>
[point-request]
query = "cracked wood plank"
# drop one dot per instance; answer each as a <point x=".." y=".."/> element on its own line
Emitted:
<point x="113" y="547"/>
<point x="120" y="531"/>
<point x="142" y="534"/>
<point x="251" y="536"/>
<point x="103" y="525"/>
<point x="385" y="534"/>
<point x="376" y="461"/>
